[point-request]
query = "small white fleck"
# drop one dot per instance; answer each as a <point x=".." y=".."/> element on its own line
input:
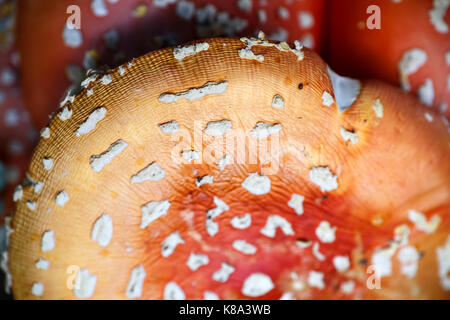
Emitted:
<point x="99" y="8"/>
<point x="429" y="117"/>
<point x="209" y="88"/>
<point x="421" y="223"/>
<point x="152" y="211"/>
<point x="48" y="163"/>
<point x="136" y="282"/>
<point x="185" y="10"/>
<point x="426" y="92"/>
<point x="72" y="38"/>
<point x="38" y="187"/>
<point x="84" y="286"/>
<point x="409" y="260"/>
<point x="31" y="205"/>
<point x="348" y="135"/>
<point x="242" y="222"/>
<point x="443" y="257"/>
<point x="197" y="260"/>
<point x="42" y="264"/>
<point x="218" y="128"/>
<point x="212" y="227"/>
<point x="316" y="252"/>
<point x="257" y="285"/>
<point x="169" y="127"/>
<point x="245" y="5"/>
<point x="327" y="99"/>
<point x="223" y="273"/>
<point x="341" y="263"/>
<point x="45" y="133"/>
<point x="437" y="15"/>
<point x="183" y="52"/>
<point x="247" y="53"/>
<point x="381" y="259"/>
<point x="222" y="162"/>
<point x="106" y="79"/>
<point x="315" y="279"/>
<point x="296" y="203"/>
<point x="256" y="184"/>
<point x="152" y="172"/>
<point x="18" y="193"/>
<point x="278" y="102"/>
<point x="190" y="155"/>
<point x="303" y="243"/>
<point x="170" y="243"/>
<point x="305" y="20"/>
<point x="48" y="241"/>
<point x="97" y="162"/>
<point x="283" y="13"/>
<point x="37" y="289"/>
<point x="244" y="247"/>
<point x="204" y="180"/>
<point x="273" y="223"/>
<point x="65" y="114"/>
<point x="209" y="295"/>
<point x="323" y="177"/>
<point x="102" y="231"/>
<point x="348" y="286"/>
<point x="378" y="108"/>
<point x="325" y="232"/>
<point x="411" y="61"/>
<point x="91" y="122"/>
<point x="263" y="130"/>
<point x="172" y="291"/>
<point x="62" y="197"/>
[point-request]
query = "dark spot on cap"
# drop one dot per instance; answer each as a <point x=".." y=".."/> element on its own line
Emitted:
<point x="300" y="86"/>
<point x="363" y="262"/>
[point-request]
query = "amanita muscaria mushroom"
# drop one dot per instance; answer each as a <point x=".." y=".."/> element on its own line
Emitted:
<point x="113" y="32"/>
<point x="411" y="48"/>
<point x="142" y="197"/>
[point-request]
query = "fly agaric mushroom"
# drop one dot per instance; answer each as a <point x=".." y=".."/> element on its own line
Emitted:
<point x="289" y="182"/>
<point x="411" y="48"/>
<point x="113" y="32"/>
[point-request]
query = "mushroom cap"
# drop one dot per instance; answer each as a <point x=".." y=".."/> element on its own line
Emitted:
<point x="47" y="62"/>
<point x="356" y="51"/>
<point x="141" y="201"/>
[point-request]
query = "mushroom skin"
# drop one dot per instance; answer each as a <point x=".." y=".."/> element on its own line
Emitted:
<point x="138" y="31"/>
<point x="400" y="162"/>
<point x="354" y="50"/>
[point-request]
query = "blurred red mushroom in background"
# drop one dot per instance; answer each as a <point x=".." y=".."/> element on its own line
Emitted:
<point x="113" y="32"/>
<point x="411" y="49"/>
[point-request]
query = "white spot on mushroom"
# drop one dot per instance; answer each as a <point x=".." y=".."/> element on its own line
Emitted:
<point x="273" y="223"/>
<point x="170" y="243"/>
<point x="38" y="187"/>
<point x="324" y="178"/>
<point x="348" y="135"/>
<point x="421" y="223"/>
<point x="429" y="117"/>
<point x="197" y="260"/>
<point x="209" y="295"/>
<point x="172" y="291"/>
<point x="381" y="259"/>
<point x="209" y="88"/>
<point x="136" y="282"/>
<point x="152" y="211"/>
<point x="305" y="20"/>
<point x="409" y="260"/>
<point x="257" y="285"/>
<point x="263" y="130"/>
<point x="106" y="79"/>
<point x="315" y="280"/>
<point x="242" y="222"/>
<point x="347" y="286"/>
<point x="37" y="289"/>
<point x="42" y="264"/>
<point x="18" y="193"/>
<point x="245" y="5"/>
<point x="244" y="247"/>
<point x="378" y="108"/>
<point x="99" y="8"/>
<point x="102" y="231"/>
<point x="190" y="155"/>
<point x="62" y="197"/>
<point x="185" y="10"/>
<point x="181" y="53"/>
<point x="222" y="162"/>
<point x="316" y="252"/>
<point x="262" y="16"/>
<point x="443" y="257"/>
<point x="218" y="128"/>
<point x="410" y="62"/>
<point x="169" y="127"/>
<point x="45" y="133"/>
<point x="31" y="205"/>
<point x="346" y="90"/>
<point x="223" y="273"/>
<point x="204" y="180"/>
<point x="152" y="172"/>
<point x="213" y="227"/>
<point x="97" y="162"/>
<point x="296" y="203"/>
<point x="84" y="286"/>
<point x="247" y="53"/>
<point x="325" y="232"/>
<point x="283" y="13"/>
<point x="72" y="38"/>
<point x="327" y="99"/>
<point x="257" y="184"/>
<point x="91" y="122"/>
<point x="48" y="163"/>
<point x="426" y="92"/>
<point x="341" y="263"/>
<point x="303" y="243"/>
<point x="48" y="241"/>
<point x="278" y="102"/>
<point x="65" y="114"/>
<point x="437" y="15"/>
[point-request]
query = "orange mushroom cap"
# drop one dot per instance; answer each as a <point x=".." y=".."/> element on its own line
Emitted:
<point x="235" y="170"/>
